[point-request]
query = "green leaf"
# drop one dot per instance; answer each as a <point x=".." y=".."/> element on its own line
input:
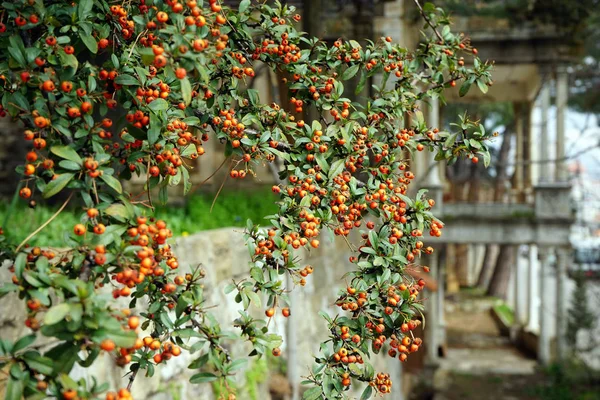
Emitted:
<point x="254" y="298"/>
<point x="84" y="9"/>
<point x="70" y="165"/>
<point x="464" y="88"/>
<point x="361" y="83"/>
<point x="486" y="158"/>
<point x="322" y="162"/>
<point x="35" y="361"/>
<point x="56" y="314"/>
<point x="163" y="195"/>
<point x="127" y="80"/>
<point x="186" y="90"/>
<point x="244" y="4"/>
<point x="450" y="140"/>
<point x="257" y="274"/>
<point x="350" y="72"/>
<point x="313" y="393"/>
<point x="14" y="390"/>
<point x="67" y="153"/>
<point x="336" y="168"/>
<point x="253" y="96"/>
<point x="17" y="56"/>
<point x="122" y="338"/>
<point x="56" y="185"/>
<point x="203" y="377"/>
<point x="20" y="263"/>
<point x="482" y="86"/>
<point x="153" y="134"/>
<point x="89" y="42"/>
<point x="366" y="394"/>
<point x="23" y="342"/>
<point x="112" y="182"/>
<point x="158" y="105"/>
<point x="237" y="364"/>
<point x="118" y="211"/>
<point x="68" y="60"/>
<point x="64" y="356"/>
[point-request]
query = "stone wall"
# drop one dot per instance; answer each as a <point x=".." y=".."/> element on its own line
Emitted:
<point x="224" y="256"/>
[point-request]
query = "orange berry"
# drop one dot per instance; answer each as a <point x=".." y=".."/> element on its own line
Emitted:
<point x="107" y="345"/>
<point x="79" y="229"/>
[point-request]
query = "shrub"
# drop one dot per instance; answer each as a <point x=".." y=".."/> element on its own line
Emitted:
<point x="179" y="72"/>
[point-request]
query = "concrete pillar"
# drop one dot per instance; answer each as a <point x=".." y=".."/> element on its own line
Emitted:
<point x="292" y="340"/>
<point x="562" y="94"/>
<point x="544" y="323"/>
<point x="544" y="168"/>
<point x="440" y="319"/>
<point x="432" y="322"/>
<point x="433" y="167"/>
<point x="520" y="289"/>
<point x="518" y="176"/>
<point x="533" y="289"/>
<point x="395" y="368"/>
<point x="527" y="147"/>
<point x="561" y="304"/>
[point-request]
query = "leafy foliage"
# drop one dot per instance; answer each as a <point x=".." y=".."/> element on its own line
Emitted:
<point x="180" y="72"/>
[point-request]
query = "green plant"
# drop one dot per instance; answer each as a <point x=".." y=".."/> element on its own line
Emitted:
<point x="178" y="72"/>
<point x="254" y="376"/>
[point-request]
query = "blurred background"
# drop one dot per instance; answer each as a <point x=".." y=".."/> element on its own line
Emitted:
<point x="516" y="313"/>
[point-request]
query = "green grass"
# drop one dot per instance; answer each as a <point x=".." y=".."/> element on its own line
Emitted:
<point x="505" y="312"/>
<point x="232" y="208"/>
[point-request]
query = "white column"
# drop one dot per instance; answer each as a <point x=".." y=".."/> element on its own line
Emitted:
<point x="433" y="167"/>
<point x="561" y="304"/>
<point x="518" y="189"/>
<point x="441" y="320"/>
<point x="395" y="368"/>
<point x="532" y="294"/>
<point x="544" y="332"/>
<point x="292" y="340"/>
<point x="561" y="106"/>
<point x="520" y="289"/>
<point x="432" y="323"/>
<point x="544" y="168"/>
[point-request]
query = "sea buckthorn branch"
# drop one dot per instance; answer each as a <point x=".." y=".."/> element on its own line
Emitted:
<point x="179" y="71"/>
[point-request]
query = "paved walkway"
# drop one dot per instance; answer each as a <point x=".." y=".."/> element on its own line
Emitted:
<point x="480" y="363"/>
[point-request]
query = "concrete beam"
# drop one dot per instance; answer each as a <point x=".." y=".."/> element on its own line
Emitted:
<point x="512" y="83"/>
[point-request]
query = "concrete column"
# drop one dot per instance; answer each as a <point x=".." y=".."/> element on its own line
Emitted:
<point x="395" y="368"/>
<point x="527" y="148"/>
<point x="562" y="94"/>
<point x="440" y="319"/>
<point x="292" y="340"/>
<point x="518" y="177"/>
<point x="544" y="332"/>
<point x="561" y="304"/>
<point x="520" y="289"/>
<point x="533" y="292"/>
<point x="544" y="168"/>
<point x="432" y="323"/>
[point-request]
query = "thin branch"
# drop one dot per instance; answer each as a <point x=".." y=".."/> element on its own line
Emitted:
<point x="211" y="175"/>
<point x="32" y="234"/>
<point x="132" y="378"/>
<point x="218" y="193"/>
<point x="95" y="191"/>
<point x="426" y="18"/>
